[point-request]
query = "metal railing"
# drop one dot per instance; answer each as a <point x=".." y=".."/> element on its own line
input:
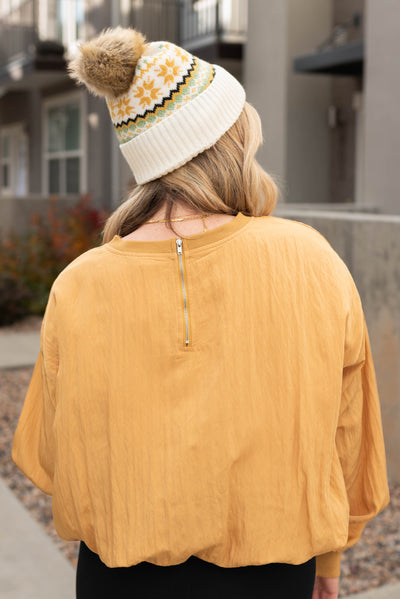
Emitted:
<point x="17" y="32"/>
<point x="23" y="23"/>
<point x="190" y="23"/>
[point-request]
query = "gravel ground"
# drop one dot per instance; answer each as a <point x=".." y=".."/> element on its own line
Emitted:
<point x="372" y="562"/>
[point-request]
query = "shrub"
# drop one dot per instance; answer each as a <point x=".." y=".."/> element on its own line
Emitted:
<point x="29" y="263"/>
<point x="15" y="298"/>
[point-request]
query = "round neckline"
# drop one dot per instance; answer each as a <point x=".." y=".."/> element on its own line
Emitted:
<point x="189" y="242"/>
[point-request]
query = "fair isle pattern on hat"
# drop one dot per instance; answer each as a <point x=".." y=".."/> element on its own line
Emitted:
<point x="166" y="78"/>
<point x="166" y="105"/>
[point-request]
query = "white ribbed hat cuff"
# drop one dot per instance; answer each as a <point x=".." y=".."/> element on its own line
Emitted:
<point x="188" y="131"/>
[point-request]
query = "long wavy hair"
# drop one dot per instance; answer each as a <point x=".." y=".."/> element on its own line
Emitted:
<point x="224" y="179"/>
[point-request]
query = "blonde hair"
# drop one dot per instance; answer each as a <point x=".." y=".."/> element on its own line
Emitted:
<point x="224" y="179"/>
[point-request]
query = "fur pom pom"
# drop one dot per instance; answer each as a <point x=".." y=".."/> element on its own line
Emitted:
<point x="106" y="64"/>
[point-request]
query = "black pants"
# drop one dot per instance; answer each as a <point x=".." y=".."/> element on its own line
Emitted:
<point x="193" y="579"/>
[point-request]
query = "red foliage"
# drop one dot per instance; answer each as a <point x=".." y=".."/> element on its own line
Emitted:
<point x="29" y="263"/>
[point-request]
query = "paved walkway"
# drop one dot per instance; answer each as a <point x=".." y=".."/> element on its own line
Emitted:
<point x="31" y="565"/>
<point x="18" y="349"/>
<point x="391" y="591"/>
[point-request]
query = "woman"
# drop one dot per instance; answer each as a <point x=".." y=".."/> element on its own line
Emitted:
<point x="204" y="408"/>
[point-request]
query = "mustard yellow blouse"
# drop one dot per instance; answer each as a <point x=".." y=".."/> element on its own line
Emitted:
<point x="213" y="396"/>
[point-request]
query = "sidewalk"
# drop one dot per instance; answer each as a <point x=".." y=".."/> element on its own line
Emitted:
<point x="18" y="349"/>
<point x="386" y="592"/>
<point x="31" y="566"/>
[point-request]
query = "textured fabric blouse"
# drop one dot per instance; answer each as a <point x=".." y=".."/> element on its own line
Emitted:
<point x="213" y="395"/>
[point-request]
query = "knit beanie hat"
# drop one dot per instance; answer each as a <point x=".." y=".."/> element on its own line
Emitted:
<point x="166" y="105"/>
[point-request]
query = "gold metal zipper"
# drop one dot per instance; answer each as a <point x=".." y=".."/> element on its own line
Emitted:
<point x="179" y="249"/>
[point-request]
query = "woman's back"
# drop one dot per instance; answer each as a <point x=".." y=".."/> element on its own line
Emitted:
<point x="201" y="392"/>
<point x="224" y="424"/>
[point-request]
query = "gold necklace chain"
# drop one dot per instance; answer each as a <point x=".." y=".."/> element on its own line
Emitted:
<point x="180" y="218"/>
<point x="164" y="220"/>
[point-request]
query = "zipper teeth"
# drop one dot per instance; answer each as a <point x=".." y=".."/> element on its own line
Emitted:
<point x="179" y="250"/>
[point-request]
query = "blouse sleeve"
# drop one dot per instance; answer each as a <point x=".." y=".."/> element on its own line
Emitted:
<point x="33" y="443"/>
<point x="359" y="438"/>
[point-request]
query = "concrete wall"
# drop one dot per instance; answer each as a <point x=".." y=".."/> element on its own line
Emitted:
<point x="369" y="245"/>
<point x="293" y="107"/>
<point x="15" y="213"/>
<point x="382" y="100"/>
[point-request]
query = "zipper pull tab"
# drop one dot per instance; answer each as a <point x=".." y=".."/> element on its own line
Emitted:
<point x="179" y="246"/>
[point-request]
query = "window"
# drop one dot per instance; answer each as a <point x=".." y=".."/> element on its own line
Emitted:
<point x="13" y="160"/>
<point x="63" y="135"/>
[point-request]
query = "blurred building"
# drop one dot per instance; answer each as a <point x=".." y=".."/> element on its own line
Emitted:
<point x="325" y="77"/>
<point x="56" y="138"/>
